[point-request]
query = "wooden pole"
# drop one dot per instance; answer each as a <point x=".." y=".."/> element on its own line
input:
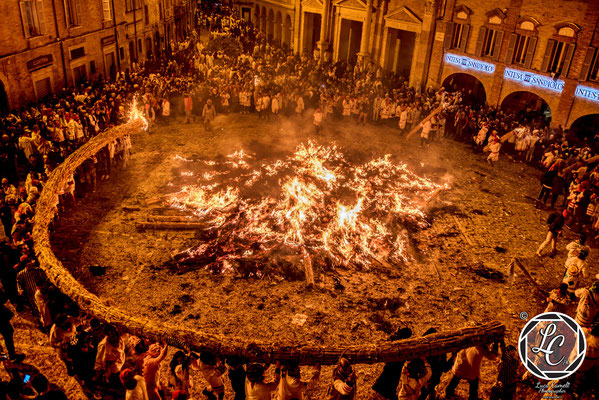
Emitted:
<point x="170" y="225"/>
<point x="463" y="231"/>
<point x="308" y="269"/>
<point x="417" y="127"/>
<point x="527" y="274"/>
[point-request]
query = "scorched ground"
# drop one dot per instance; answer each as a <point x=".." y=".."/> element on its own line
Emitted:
<point x="455" y="275"/>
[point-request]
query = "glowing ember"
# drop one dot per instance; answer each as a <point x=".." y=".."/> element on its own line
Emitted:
<point x="315" y="204"/>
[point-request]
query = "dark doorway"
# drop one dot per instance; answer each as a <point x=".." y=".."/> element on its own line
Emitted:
<point x="526" y="105"/>
<point x="3" y="99"/>
<point x="400" y="49"/>
<point x="311" y="31"/>
<point x="473" y="91"/>
<point x="586" y="126"/>
<point x="350" y="37"/>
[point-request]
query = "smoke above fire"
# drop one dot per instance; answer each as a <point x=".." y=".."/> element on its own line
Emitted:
<point x="314" y="204"/>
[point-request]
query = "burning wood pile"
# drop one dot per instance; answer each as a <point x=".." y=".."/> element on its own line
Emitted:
<point x="314" y="209"/>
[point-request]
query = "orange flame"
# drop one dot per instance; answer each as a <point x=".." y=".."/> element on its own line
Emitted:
<point x="321" y="204"/>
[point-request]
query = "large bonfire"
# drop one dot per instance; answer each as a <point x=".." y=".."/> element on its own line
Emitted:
<point x="313" y="209"/>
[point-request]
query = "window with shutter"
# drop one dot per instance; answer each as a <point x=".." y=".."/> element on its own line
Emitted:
<point x="567" y="59"/>
<point x="509" y="56"/>
<point x="43" y="88"/>
<point x="586" y="64"/>
<point x="448" y="35"/>
<point x="530" y="51"/>
<point x="72" y="10"/>
<point x="482" y="33"/>
<point x="464" y="38"/>
<point x="498" y="41"/>
<point x="490" y="42"/>
<point x="32" y="16"/>
<point x="106" y="10"/>
<point x="26" y="17"/>
<point x="41" y="17"/>
<point x="548" y="55"/>
<point x="594" y="70"/>
<point x="457" y="36"/>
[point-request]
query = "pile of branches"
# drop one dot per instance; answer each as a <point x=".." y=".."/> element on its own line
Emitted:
<point x="312" y="210"/>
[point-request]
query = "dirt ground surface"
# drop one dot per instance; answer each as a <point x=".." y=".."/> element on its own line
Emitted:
<point x="458" y="276"/>
<point x="41" y="357"/>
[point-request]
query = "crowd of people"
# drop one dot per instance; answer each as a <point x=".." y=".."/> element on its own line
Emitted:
<point x="242" y="70"/>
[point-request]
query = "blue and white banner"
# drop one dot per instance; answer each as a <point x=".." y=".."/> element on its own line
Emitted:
<point x="588" y="93"/>
<point x="469" y="63"/>
<point x="530" y="79"/>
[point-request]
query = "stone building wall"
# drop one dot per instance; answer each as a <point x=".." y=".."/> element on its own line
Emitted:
<point x="420" y="32"/>
<point x="61" y="54"/>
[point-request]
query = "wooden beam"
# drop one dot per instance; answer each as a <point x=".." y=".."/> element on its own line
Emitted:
<point x="171" y="225"/>
<point x="463" y="231"/>
<point x="417" y="127"/>
<point x="518" y="263"/>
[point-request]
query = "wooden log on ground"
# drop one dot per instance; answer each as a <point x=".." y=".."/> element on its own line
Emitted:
<point x="171" y="218"/>
<point x="463" y="231"/>
<point x="308" y="269"/>
<point x="251" y="350"/>
<point x="434" y="194"/>
<point x="516" y="262"/>
<point x="171" y="225"/>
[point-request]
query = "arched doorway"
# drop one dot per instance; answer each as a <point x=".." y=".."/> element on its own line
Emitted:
<point x="527" y="106"/>
<point x="4" y="107"/>
<point x="586" y="126"/>
<point x="149" y="47"/>
<point x="473" y="91"/>
<point x="157" y="43"/>
<point x="132" y="57"/>
<point x="270" y="23"/>
<point x="263" y="20"/>
<point x="278" y="26"/>
<point x="287" y="30"/>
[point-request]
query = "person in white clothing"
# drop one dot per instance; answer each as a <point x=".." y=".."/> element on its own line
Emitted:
<point x="291" y="386"/>
<point x="576" y="268"/>
<point x="166" y="110"/>
<point x="135" y="385"/>
<point x="426" y="129"/>
<point x="275" y="105"/>
<point x="299" y="108"/>
<point x="403" y="120"/>
<point x="575" y="246"/>
<point x="344" y="382"/>
<point x="494" y="152"/>
<point x="255" y="386"/>
<point x="414" y="376"/>
<point x="317" y="119"/>
<point x="481" y="137"/>
<point x="346" y="107"/>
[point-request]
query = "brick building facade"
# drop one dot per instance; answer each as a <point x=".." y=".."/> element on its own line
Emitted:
<point x="512" y="53"/>
<point x="46" y="45"/>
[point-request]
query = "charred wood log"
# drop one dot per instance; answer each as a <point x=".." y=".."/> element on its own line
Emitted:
<point x="171" y="225"/>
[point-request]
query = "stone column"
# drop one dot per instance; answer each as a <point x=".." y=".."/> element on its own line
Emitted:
<point x="297" y="27"/>
<point x="423" y="47"/>
<point x="364" y="55"/>
<point x="323" y="43"/>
